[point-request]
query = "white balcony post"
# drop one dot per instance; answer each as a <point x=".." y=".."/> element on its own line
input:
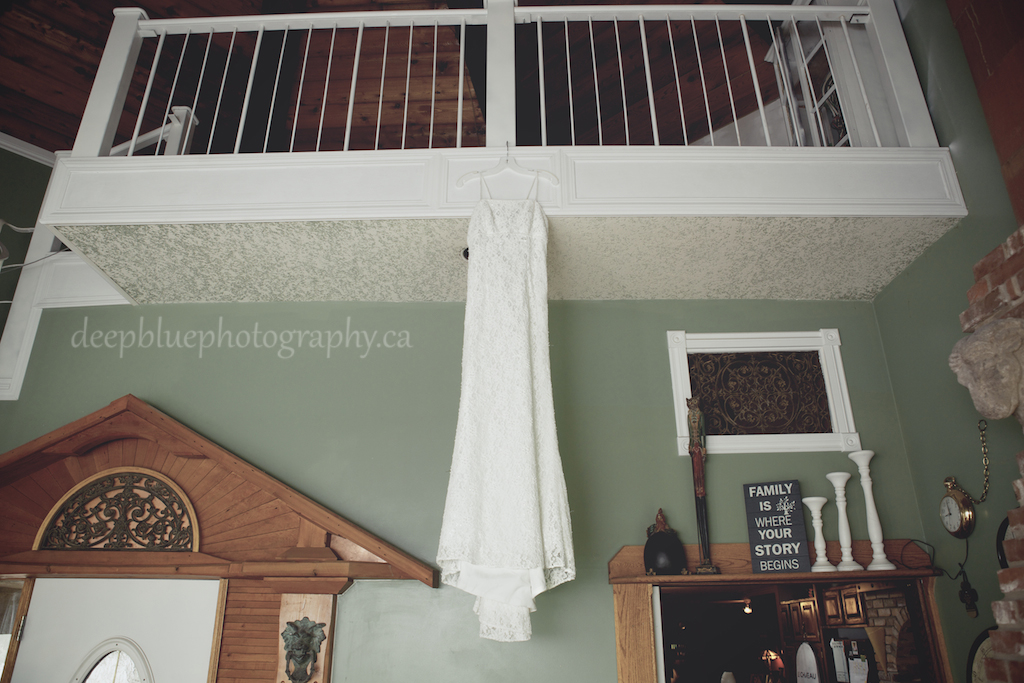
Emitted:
<point x="103" y="110"/>
<point x="501" y="73"/>
<point x="909" y="108"/>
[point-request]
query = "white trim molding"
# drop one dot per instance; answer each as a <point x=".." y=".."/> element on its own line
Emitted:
<point x="58" y="280"/>
<point x="125" y="645"/>
<point x="826" y="342"/>
<point x="571" y="181"/>
<point x="27" y="150"/>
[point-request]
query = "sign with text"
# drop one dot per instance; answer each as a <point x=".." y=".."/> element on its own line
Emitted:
<point x="775" y="522"/>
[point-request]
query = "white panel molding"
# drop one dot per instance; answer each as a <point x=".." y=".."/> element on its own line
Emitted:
<point x="826" y="342"/>
<point x="591" y="181"/>
<point x="63" y="280"/>
<point x="776" y="181"/>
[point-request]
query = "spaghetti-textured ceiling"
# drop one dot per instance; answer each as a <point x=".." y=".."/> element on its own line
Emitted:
<point x="588" y="258"/>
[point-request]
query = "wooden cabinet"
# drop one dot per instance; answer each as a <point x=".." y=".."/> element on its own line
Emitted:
<point x="832" y="608"/>
<point x="843" y="607"/>
<point x="800" y="620"/>
<point x="853" y="606"/>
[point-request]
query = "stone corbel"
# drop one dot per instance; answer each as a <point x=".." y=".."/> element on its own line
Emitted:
<point x="990" y="363"/>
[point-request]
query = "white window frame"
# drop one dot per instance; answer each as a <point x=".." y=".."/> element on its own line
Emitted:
<point x="125" y="645"/>
<point x="844" y="436"/>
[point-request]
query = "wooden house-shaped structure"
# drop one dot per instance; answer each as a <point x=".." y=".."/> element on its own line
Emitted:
<point x="128" y="492"/>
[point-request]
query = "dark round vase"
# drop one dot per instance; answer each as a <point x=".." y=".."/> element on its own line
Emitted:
<point x="664" y="554"/>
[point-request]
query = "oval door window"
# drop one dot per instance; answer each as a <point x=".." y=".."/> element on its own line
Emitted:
<point x="116" y="660"/>
<point x="115" y="667"/>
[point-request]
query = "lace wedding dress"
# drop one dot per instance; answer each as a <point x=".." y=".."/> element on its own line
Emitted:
<point x="506" y="534"/>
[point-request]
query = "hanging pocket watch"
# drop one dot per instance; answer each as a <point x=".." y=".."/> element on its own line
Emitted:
<point x="956" y="509"/>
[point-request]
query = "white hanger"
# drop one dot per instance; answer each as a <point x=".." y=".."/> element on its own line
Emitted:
<point x="507" y="163"/>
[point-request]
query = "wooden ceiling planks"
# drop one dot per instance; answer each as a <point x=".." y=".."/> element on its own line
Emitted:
<point x="696" y="73"/>
<point x="49" y="52"/>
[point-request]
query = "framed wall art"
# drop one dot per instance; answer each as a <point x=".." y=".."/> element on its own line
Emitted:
<point x="763" y="392"/>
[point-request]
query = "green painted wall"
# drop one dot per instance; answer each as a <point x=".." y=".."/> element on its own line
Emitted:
<point x="22" y="184"/>
<point x="917" y="318"/>
<point x="371" y="438"/>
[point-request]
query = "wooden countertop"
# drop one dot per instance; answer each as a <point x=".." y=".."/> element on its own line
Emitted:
<point x="733" y="559"/>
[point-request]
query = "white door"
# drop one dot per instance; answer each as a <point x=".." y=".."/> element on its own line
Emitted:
<point x="170" y="621"/>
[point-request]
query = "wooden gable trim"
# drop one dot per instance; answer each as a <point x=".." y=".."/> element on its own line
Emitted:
<point x="130" y="418"/>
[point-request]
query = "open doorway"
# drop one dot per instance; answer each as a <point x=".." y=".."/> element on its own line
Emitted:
<point x="706" y="634"/>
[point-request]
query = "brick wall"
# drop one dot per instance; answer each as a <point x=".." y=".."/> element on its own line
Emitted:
<point x="888" y="610"/>
<point x="992" y="33"/>
<point x="1006" y="663"/>
<point x="998" y="290"/>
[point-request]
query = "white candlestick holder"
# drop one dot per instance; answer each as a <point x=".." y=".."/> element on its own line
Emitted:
<point x="821" y="563"/>
<point x="846" y="563"/>
<point x="879" y="562"/>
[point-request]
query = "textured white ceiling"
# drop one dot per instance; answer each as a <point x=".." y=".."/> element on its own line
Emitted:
<point x="588" y="258"/>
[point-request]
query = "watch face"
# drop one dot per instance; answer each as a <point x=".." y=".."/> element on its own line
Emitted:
<point x="981" y="648"/>
<point x="949" y="511"/>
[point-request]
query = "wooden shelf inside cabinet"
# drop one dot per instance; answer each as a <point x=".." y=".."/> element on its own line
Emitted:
<point x="734" y="560"/>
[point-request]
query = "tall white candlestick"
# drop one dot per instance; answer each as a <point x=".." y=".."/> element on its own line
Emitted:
<point x="839" y="480"/>
<point x="878" y="559"/>
<point x="821" y="563"/>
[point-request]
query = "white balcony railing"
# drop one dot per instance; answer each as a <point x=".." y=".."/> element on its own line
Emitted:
<point x="646" y="75"/>
<point x="693" y="121"/>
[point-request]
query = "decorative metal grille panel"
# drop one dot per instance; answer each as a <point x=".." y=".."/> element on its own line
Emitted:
<point x="125" y="510"/>
<point x="763" y="392"/>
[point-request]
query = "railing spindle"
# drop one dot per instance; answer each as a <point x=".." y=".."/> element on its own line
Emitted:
<point x="199" y="85"/>
<point x="302" y="80"/>
<point x="650" y="86"/>
<point x="220" y="93"/>
<point x="327" y="83"/>
<point x="543" y="93"/>
<point x="622" y="79"/>
<point x="380" y="95"/>
<point x="817" y="134"/>
<point x="728" y="83"/>
<point x="860" y="82"/>
<point x="832" y="71"/>
<point x="568" y="76"/>
<point x="273" y="94"/>
<point x="780" y="60"/>
<point x="597" y="87"/>
<point x="757" y="85"/>
<point x="352" y="86"/>
<point x="145" y="97"/>
<point x="675" y="72"/>
<point x="248" y="89"/>
<point x="433" y="93"/>
<point x="462" y="76"/>
<point x="703" y="83"/>
<point x="170" y="97"/>
<point x="408" y="75"/>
